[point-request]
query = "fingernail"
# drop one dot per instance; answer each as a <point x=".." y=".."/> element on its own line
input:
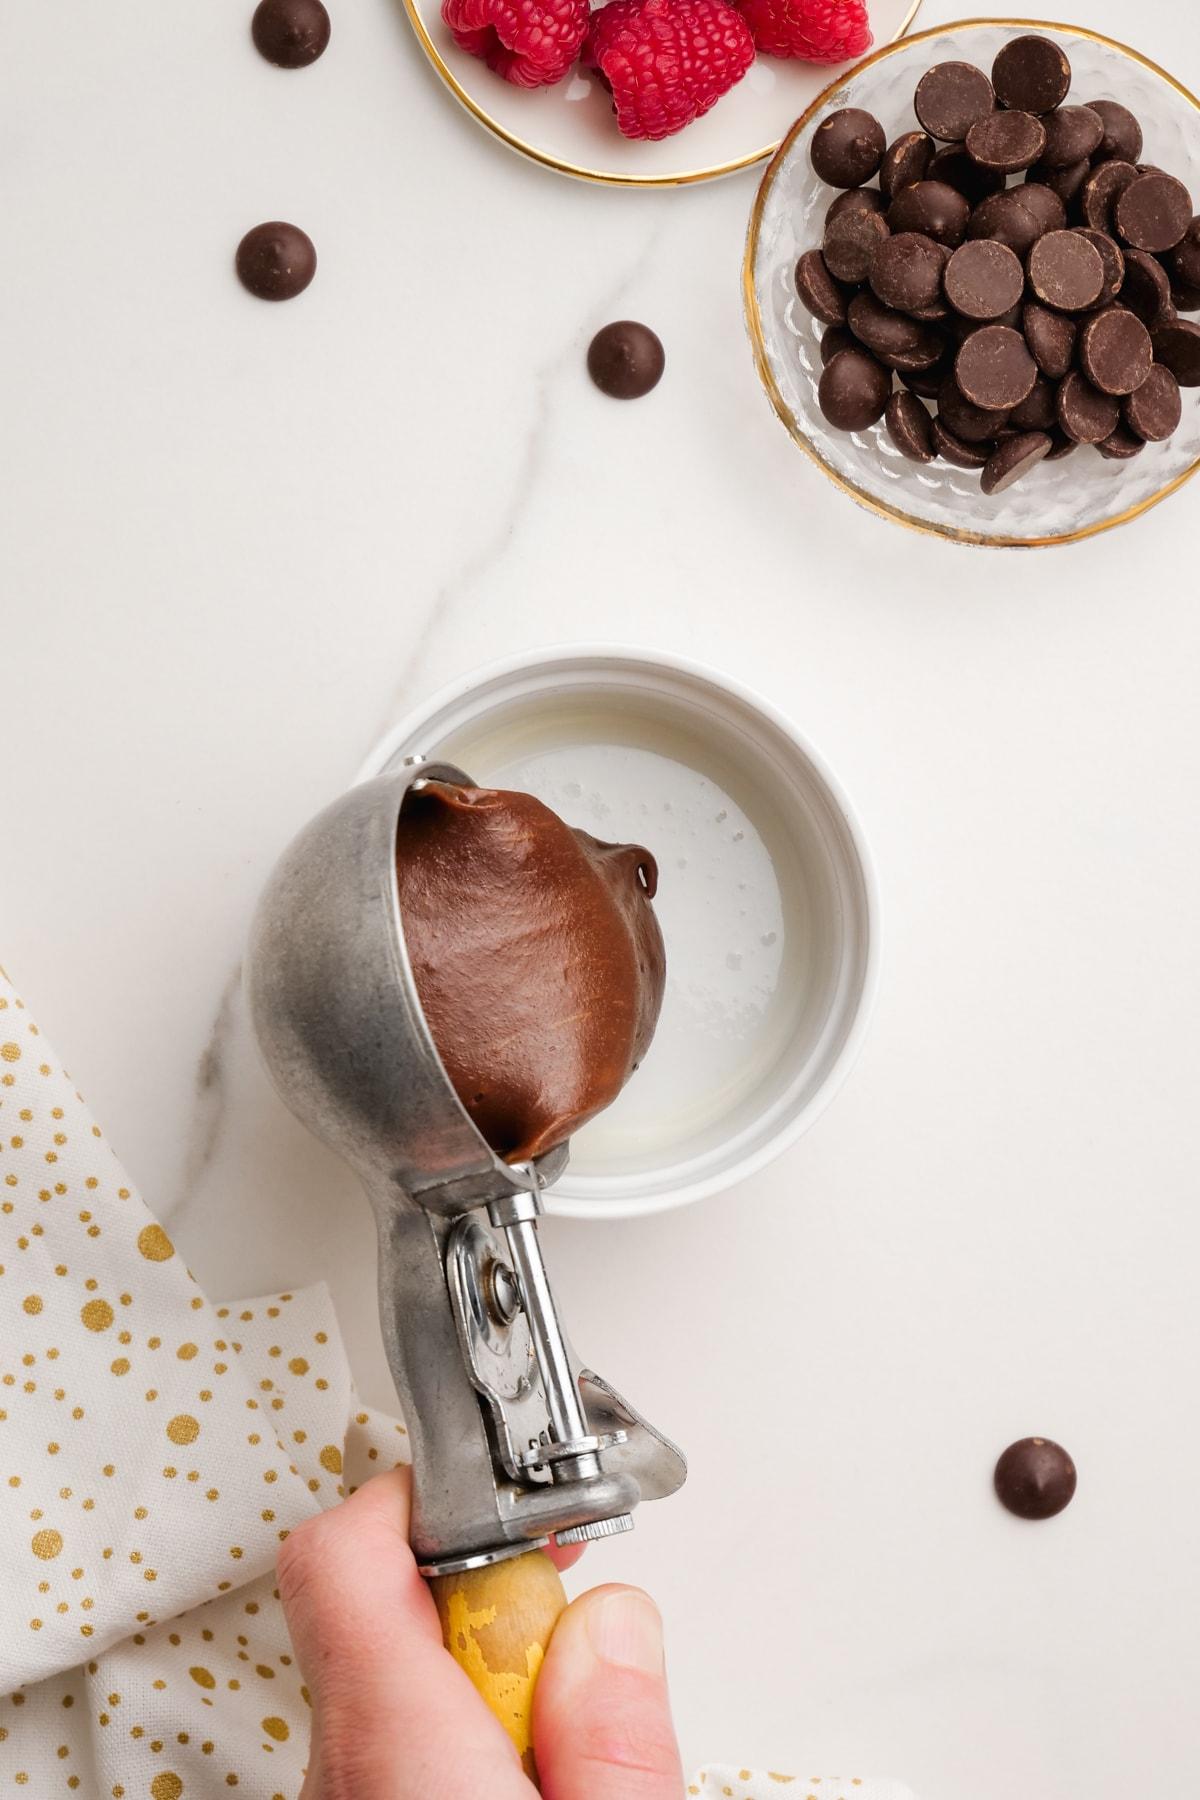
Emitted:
<point x="626" y="1629"/>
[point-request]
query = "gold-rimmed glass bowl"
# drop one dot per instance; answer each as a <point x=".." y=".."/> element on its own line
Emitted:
<point x="1059" y="502"/>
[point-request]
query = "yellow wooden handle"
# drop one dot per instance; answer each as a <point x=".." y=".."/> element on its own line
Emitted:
<point x="496" y="1623"/>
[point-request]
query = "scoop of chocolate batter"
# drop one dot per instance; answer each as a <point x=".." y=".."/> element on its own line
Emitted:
<point x="537" y="956"/>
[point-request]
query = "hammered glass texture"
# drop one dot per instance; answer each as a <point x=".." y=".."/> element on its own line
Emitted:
<point x="1057" y="499"/>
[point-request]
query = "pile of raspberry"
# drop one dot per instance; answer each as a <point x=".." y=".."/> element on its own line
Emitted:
<point x="665" y="62"/>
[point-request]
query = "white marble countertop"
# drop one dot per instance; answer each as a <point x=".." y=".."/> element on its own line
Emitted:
<point x="239" y="540"/>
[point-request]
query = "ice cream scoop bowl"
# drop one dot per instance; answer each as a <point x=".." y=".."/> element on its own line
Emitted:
<point x="513" y="1440"/>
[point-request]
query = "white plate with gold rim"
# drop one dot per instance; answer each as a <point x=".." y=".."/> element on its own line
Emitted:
<point x="571" y="127"/>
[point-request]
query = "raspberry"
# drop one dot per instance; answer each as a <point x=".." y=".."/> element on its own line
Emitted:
<point x="666" y="62"/>
<point x="532" y="43"/>
<point x="820" y="31"/>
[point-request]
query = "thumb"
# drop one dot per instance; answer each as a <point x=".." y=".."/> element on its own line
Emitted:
<point x="601" y="1717"/>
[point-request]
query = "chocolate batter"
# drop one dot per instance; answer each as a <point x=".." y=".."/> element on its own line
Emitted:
<point x="537" y="957"/>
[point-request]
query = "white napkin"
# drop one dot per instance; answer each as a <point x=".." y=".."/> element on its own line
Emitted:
<point x="155" y="1447"/>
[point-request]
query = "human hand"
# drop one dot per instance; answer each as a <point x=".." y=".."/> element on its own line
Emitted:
<point x="395" y="1718"/>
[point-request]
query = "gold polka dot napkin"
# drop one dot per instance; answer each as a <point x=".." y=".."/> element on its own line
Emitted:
<point x="155" y="1448"/>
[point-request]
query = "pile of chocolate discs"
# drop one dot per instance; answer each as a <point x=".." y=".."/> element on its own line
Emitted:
<point x="1036" y="317"/>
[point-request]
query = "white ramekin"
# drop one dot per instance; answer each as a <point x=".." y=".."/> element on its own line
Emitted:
<point x="771" y="756"/>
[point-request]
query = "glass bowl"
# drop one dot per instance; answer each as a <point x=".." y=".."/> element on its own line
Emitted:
<point x="1059" y="502"/>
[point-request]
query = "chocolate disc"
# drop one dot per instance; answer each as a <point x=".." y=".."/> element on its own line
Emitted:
<point x="1031" y="74"/>
<point x="626" y="359"/>
<point x="858" y="199"/>
<point x="994" y="369"/>
<point x="926" y="382"/>
<point x="853" y="390"/>
<point x="1006" y="141"/>
<point x="1051" y="338"/>
<point x="1085" y="414"/>
<point x="1062" y="445"/>
<point x="848" y="147"/>
<point x="290" y="33"/>
<point x="907" y="271"/>
<point x="1035" y="1478"/>
<point x="910" y="427"/>
<point x="950" y="98"/>
<point x="1005" y="220"/>
<point x="1045" y="205"/>
<point x="1098" y="195"/>
<point x="1122" y="133"/>
<point x="983" y="279"/>
<point x="898" y="341"/>
<point x="1072" y="133"/>
<point x="1014" y="458"/>
<point x="1154" y="212"/>
<point x="1066" y="183"/>
<point x="1146" y="289"/>
<point x="1037" y="411"/>
<point x="955" y="450"/>
<point x="1121" y="445"/>
<point x="1066" y="271"/>
<point x="1115" y="352"/>
<point x="1113" y="258"/>
<point x="1177" y="344"/>
<point x="1154" y="410"/>
<point x="851" y="242"/>
<point x="835" y="338"/>
<point x="276" y="261"/>
<point x="1184" y="260"/>
<point x="954" y="165"/>
<point x="1185" y="298"/>
<point x="970" y="423"/>
<point x="821" y="294"/>
<point x="905" y="161"/>
<point x="933" y="209"/>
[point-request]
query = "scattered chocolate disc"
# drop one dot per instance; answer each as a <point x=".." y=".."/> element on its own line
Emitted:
<point x="898" y="341"/>
<point x="950" y="98"/>
<point x="1037" y="411"/>
<point x="1035" y="1478"/>
<point x="1072" y="133"/>
<point x="932" y="208"/>
<point x="1111" y="256"/>
<point x="983" y="279"/>
<point x="910" y="427"/>
<point x="994" y="369"/>
<point x="907" y="271"/>
<point x="1121" y="445"/>
<point x="954" y="165"/>
<point x="821" y="294"/>
<point x="290" y="33"/>
<point x="1154" y="212"/>
<point x="848" y="147"/>
<point x="276" y="261"/>
<point x="626" y="359"/>
<point x="1006" y="141"/>
<point x="905" y="162"/>
<point x="1085" y="414"/>
<point x="1146" y="289"/>
<point x="859" y="199"/>
<point x="1066" y="183"/>
<point x="1115" y="352"/>
<point x="1062" y="445"/>
<point x="1014" y="458"/>
<point x="1065" y="271"/>
<point x="970" y="423"/>
<point x="1045" y="205"/>
<point x="955" y="450"/>
<point x="1030" y="74"/>
<point x="1185" y="297"/>
<point x="1177" y="344"/>
<point x="836" y="338"/>
<point x="1154" y="410"/>
<point x="1004" y="219"/>
<point x="853" y="390"/>
<point x="1184" y="260"/>
<point x="1098" y="195"/>
<point x="851" y="242"/>
<point x="1051" y="338"/>
<point x="926" y="382"/>
<point x="1122" y="133"/>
